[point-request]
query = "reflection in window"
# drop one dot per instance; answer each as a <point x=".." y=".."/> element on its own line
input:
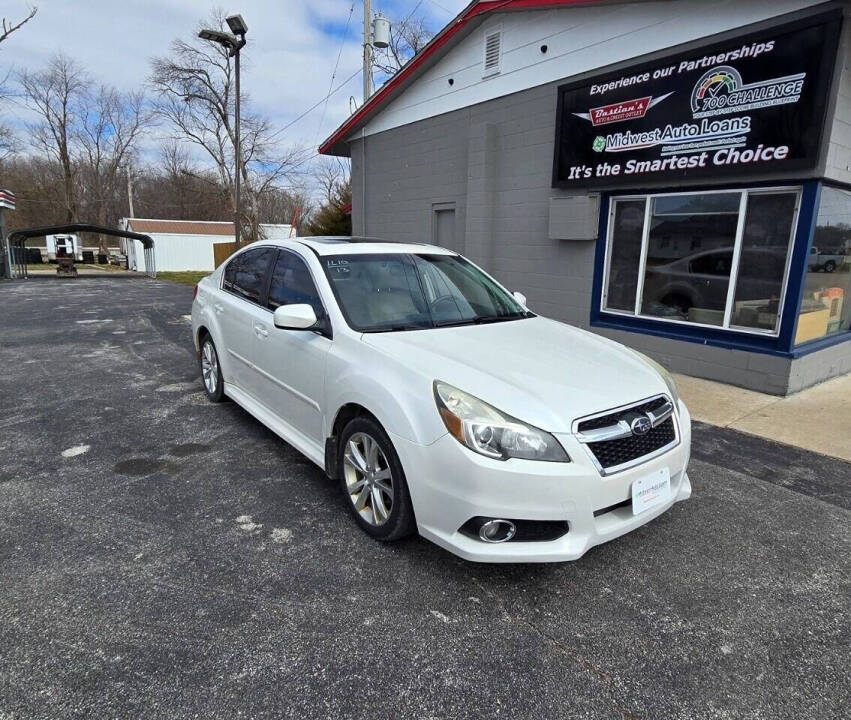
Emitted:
<point x="703" y="264"/>
<point x="625" y="254"/>
<point x="292" y="284"/>
<point x="689" y="256"/>
<point x="246" y="273"/>
<point x="762" y="261"/>
<point x="826" y="308"/>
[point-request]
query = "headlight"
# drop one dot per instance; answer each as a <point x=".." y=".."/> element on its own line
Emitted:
<point x="487" y="431"/>
<point x="666" y="376"/>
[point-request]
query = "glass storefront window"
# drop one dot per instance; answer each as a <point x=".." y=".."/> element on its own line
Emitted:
<point x="689" y="257"/>
<point x="826" y="305"/>
<point x="627" y="231"/>
<point x="715" y="259"/>
<point x="763" y="259"/>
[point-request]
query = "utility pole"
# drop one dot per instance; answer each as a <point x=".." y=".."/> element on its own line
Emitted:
<point x="130" y="191"/>
<point x="367" y="49"/>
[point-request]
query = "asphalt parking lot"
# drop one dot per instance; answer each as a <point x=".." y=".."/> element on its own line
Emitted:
<point x="165" y="557"/>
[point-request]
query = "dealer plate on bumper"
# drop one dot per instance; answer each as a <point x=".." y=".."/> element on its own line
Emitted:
<point x="651" y="490"/>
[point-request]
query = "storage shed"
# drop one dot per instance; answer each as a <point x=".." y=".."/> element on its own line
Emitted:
<point x="185" y="244"/>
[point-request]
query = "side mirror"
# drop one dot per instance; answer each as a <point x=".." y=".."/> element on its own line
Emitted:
<point x="520" y="297"/>
<point x="294" y="317"/>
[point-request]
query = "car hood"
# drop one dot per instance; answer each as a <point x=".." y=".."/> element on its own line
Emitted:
<point x="538" y="370"/>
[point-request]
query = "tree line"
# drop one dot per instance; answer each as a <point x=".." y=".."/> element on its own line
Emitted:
<point x="95" y="153"/>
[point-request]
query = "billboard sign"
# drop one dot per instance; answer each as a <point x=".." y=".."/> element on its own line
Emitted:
<point x="751" y="105"/>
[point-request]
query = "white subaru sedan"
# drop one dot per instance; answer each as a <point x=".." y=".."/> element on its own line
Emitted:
<point x="440" y="402"/>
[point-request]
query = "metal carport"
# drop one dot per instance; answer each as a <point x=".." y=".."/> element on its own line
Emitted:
<point x="16" y="261"/>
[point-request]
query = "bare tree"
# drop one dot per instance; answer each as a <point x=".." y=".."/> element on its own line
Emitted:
<point x="8" y="141"/>
<point x="55" y="94"/>
<point x="407" y="38"/>
<point x="110" y="125"/>
<point x="292" y="206"/>
<point x="328" y="175"/>
<point x="192" y="189"/>
<point x="8" y="27"/>
<point x="194" y="86"/>
<point x="175" y="160"/>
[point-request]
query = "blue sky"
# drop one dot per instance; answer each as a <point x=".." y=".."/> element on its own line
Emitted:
<point x="287" y="65"/>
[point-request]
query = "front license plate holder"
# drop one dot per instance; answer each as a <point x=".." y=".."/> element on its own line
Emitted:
<point x="651" y="490"/>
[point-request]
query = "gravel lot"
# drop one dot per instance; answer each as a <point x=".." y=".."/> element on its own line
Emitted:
<point x="165" y="557"/>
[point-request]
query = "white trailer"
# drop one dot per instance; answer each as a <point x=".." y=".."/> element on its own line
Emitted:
<point x="69" y="244"/>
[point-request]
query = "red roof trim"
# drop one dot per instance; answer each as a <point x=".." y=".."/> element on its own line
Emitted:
<point x="473" y="11"/>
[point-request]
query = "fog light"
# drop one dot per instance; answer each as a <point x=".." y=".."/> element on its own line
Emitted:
<point x="497" y="531"/>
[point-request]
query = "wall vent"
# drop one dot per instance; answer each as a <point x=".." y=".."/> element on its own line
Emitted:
<point x="493" y="53"/>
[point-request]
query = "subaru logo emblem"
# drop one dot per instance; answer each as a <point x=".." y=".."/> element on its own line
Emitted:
<point x="640" y="425"/>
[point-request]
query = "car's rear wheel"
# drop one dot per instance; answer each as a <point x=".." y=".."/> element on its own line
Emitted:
<point x="373" y="481"/>
<point x="830" y="266"/>
<point x="211" y="371"/>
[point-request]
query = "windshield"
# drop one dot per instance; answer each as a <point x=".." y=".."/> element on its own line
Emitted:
<point x="388" y="292"/>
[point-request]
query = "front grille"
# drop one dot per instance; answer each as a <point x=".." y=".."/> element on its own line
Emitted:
<point x="617" y="452"/>
<point x="612" y="418"/>
<point x="614" y="453"/>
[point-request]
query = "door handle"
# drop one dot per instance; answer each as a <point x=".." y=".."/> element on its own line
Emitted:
<point x="260" y="331"/>
<point x="219" y="308"/>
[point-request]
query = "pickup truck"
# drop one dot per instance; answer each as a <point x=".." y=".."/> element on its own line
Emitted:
<point x="827" y="260"/>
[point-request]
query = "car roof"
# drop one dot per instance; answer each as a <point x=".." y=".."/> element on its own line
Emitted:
<point x="355" y="245"/>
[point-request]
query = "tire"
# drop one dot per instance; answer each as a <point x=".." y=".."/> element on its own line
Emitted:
<point x="829" y="266"/>
<point x="678" y="301"/>
<point x="211" y="370"/>
<point x="365" y="481"/>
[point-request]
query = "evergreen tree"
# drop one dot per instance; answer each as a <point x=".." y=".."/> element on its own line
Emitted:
<point x="334" y="217"/>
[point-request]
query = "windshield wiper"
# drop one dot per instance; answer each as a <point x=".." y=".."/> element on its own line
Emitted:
<point x="501" y="318"/>
<point x="483" y="319"/>
<point x="396" y="328"/>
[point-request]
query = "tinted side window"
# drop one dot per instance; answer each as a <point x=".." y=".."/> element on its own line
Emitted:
<point x="230" y="272"/>
<point x="713" y="264"/>
<point x="292" y="284"/>
<point x="250" y="274"/>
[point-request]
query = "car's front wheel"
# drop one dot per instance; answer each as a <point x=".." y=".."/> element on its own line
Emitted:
<point x="211" y="371"/>
<point x="373" y="481"/>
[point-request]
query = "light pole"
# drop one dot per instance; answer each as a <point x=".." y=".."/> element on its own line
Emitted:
<point x="233" y="43"/>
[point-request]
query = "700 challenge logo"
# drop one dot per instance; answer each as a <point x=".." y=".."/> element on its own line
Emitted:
<point x="720" y="91"/>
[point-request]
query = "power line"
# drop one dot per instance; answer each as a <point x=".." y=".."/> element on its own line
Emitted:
<point x="313" y="107"/>
<point x="416" y="7"/>
<point x="334" y="73"/>
<point x="445" y="9"/>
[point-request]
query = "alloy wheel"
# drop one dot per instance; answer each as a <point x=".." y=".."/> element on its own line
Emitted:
<point x="369" y="481"/>
<point x="209" y="367"/>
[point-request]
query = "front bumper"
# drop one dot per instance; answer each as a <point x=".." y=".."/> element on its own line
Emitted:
<point x="450" y="484"/>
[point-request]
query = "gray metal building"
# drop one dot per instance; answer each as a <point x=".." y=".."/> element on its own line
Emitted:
<point x="675" y="175"/>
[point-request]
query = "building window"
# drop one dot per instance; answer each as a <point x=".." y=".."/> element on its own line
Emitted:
<point x="826" y="305"/>
<point x="717" y="259"/>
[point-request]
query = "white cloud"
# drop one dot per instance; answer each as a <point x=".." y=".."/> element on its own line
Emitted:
<point x="287" y="65"/>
